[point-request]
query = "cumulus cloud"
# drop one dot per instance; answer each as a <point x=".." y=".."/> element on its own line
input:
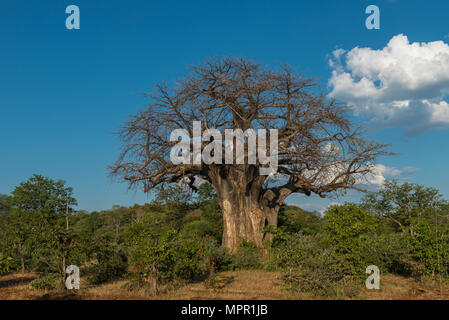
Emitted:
<point x="402" y="85"/>
<point x="377" y="175"/>
<point x="380" y="173"/>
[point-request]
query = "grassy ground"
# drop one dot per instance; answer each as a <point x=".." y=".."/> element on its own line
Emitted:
<point x="248" y="285"/>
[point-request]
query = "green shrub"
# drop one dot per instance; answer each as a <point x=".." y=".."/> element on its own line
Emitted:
<point x="111" y="265"/>
<point x="197" y="260"/>
<point x="47" y="282"/>
<point x="292" y="219"/>
<point x="431" y="248"/>
<point x="362" y="240"/>
<point x="247" y="257"/>
<point x="188" y="263"/>
<point x="4" y="264"/>
<point x="198" y="229"/>
<point x="390" y="252"/>
<point x="164" y="255"/>
<point x="346" y="229"/>
<point x="321" y="276"/>
<point x="152" y="250"/>
<point x="218" y="255"/>
<point x="308" y="266"/>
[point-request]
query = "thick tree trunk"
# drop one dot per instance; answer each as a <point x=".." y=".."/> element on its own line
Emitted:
<point x="245" y="219"/>
<point x="245" y="211"/>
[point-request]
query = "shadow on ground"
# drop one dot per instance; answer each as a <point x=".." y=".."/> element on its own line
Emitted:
<point x="17" y="281"/>
<point x="59" y="296"/>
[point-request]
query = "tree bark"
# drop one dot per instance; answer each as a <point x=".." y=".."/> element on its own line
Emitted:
<point x="153" y="280"/>
<point x="245" y="210"/>
<point x="244" y="220"/>
<point x="22" y="259"/>
<point x="63" y="271"/>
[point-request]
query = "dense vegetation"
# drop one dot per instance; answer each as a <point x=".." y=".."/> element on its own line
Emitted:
<point x="402" y="229"/>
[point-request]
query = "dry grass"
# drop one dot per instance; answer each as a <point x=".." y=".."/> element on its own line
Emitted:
<point x="248" y="285"/>
<point x="399" y="288"/>
<point x="15" y="286"/>
<point x="241" y="285"/>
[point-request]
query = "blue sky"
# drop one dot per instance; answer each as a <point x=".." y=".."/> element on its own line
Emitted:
<point x="64" y="92"/>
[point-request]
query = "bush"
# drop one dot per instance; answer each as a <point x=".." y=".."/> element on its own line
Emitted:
<point x="430" y="248"/>
<point x="390" y="252"/>
<point x="348" y="229"/>
<point x="197" y="260"/>
<point x="247" y="257"/>
<point x="47" y="282"/>
<point x="218" y="255"/>
<point x="111" y="265"/>
<point x="152" y="251"/>
<point x="188" y="265"/>
<point x="308" y="265"/>
<point x="293" y="219"/>
<point x="198" y="229"/>
<point x="4" y="264"/>
<point x="321" y="276"/>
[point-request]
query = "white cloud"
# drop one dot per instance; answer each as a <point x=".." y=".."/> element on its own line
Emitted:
<point x="402" y="85"/>
<point x="380" y="173"/>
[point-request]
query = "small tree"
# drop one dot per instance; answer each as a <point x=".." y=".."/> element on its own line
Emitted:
<point x="40" y="219"/>
<point x="152" y="250"/>
<point x="404" y="204"/>
<point x="16" y="236"/>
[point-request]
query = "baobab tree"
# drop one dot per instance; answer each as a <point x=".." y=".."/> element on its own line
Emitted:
<point x="319" y="150"/>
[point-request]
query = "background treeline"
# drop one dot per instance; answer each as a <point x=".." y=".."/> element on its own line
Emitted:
<point x="402" y="229"/>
